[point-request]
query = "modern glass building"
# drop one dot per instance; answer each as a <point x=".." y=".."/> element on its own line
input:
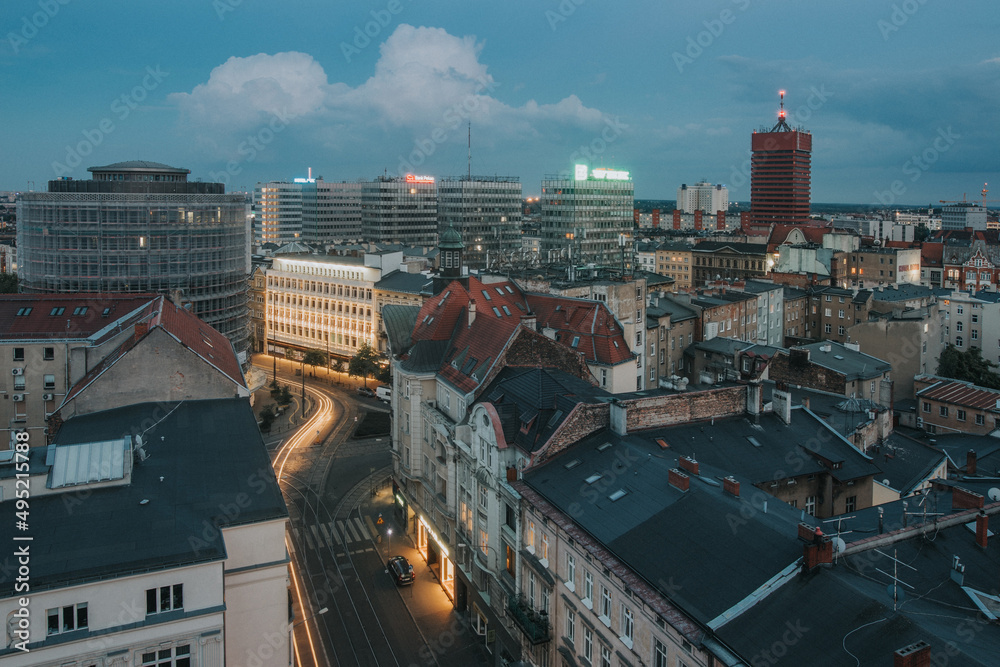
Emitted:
<point x="486" y="212"/>
<point x="141" y="227"/>
<point x="588" y="217"/>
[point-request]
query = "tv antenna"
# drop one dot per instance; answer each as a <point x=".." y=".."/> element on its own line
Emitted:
<point x="893" y="589"/>
<point x="838" y="542"/>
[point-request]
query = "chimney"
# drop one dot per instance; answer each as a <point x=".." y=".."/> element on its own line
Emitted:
<point x="970" y="462"/>
<point x="982" y="529"/>
<point x="914" y="655"/>
<point x="678" y="480"/>
<point x="805" y="402"/>
<point x="782" y="402"/>
<point x="818" y="552"/>
<point x="963" y="499"/>
<point x="688" y="464"/>
<point x="730" y="485"/>
<point x="472" y="312"/>
<point x="141" y="329"/>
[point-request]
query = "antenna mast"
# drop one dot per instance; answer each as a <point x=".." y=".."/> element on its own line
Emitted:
<point x="470" y="149"/>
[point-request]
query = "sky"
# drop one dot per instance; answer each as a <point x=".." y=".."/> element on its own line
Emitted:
<point x="901" y="97"/>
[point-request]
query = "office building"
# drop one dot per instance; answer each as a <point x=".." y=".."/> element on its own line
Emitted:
<point x="331" y="212"/>
<point x="703" y="197"/>
<point x="588" y="218"/>
<point x="400" y="210"/>
<point x="277" y="212"/>
<point x="779" y="174"/>
<point x="141" y="227"/>
<point x="486" y="211"/>
<point x="963" y="215"/>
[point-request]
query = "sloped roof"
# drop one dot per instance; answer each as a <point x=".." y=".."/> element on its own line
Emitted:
<point x="779" y="234"/>
<point x="81" y="315"/>
<point x="966" y="394"/>
<point x="589" y="324"/>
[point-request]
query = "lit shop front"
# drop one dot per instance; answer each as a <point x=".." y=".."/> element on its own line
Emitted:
<point x="437" y="556"/>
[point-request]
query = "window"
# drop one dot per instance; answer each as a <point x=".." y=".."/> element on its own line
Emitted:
<point x="811" y="505"/>
<point x="570" y="625"/>
<point x="18" y="354"/>
<point x="19" y="383"/>
<point x="24" y="312"/>
<point x="58" y="310"/>
<point x="975" y="318"/>
<point x="588" y="644"/>
<point x="840" y="314"/>
<point x="484" y="498"/>
<point x="570" y="571"/>
<point x="958" y="341"/>
<point x="659" y="654"/>
<point x="67" y="619"/>
<point x="50" y="381"/>
<point x="605" y="656"/>
<point x="974" y="334"/>
<point x="543" y="551"/>
<point x="961" y="415"/>
<point x="943" y="410"/>
<point x="588" y="586"/>
<point x="840" y="330"/>
<point x="959" y="326"/>
<point x="179" y="656"/>
<point x="606" y="604"/>
<point x="827" y="328"/>
<point x="851" y="504"/>
<point x="529" y="536"/>
<point x="980" y="420"/>
<point x="628" y="625"/>
<point x="164" y="598"/>
<point x="48" y="353"/>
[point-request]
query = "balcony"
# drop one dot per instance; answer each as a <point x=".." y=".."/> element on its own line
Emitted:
<point x="534" y="624"/>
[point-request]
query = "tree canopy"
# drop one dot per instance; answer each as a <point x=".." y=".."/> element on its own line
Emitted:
<point x="364" y="363"/>
<point x="315" y="358"/>
<point x="968" y="366"/>
<point x="8" y="283"/>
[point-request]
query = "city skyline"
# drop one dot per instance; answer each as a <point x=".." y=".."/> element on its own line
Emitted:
<point x="896" y="94"/>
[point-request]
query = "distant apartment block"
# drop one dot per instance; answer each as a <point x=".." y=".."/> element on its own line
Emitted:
<point x="945" y="406"/>
<point x="702" y="196"/>
<point x="963" y="215"/>
<point x="400" y="210"/>
<point x="486" y="212"/>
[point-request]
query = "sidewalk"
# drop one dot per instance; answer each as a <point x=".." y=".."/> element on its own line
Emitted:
<point x="447" y="635"/>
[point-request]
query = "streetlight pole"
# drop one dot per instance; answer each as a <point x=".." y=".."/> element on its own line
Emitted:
<point x="303" y="386"/>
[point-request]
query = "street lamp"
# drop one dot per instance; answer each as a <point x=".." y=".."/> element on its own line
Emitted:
<point x="303" y="385"/>
<point x="318" y="613"/>
<point x="388" y="547"/>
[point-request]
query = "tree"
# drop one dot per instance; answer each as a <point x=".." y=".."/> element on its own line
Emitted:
<point x="920" y="233"/>
<point x="286" y="396"/>
<point x="267" y="418"/>
<point x="384" y="375"/>
<point x="363" y="364"/>
<point x="8" y="283"/>
<point x="968" y="366"/>
<point x="314" y="358"/>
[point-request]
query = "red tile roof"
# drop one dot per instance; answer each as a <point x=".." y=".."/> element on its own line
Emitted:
<point x="931" y="254"/>
<point x="962" y="393"/>
<point x="779" y="234"/>
<point x="600" y="337"/>
<point x="64" y="316"/>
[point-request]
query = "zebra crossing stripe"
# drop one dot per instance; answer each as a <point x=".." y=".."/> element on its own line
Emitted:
<point x="336" y="536"/>
<point x="371" y="526"/>
<point x="361" y="529"/>
<point x="326" y="534"/>
<point x="344" y="531"/>
<point x="316" y="535"/>
<point x="309" y="541"/>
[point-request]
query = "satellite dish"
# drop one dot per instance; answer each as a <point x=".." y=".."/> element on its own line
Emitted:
<point x="839" y="545"/>
<point x="886" y="482"/>
<point x="994" y="494"/>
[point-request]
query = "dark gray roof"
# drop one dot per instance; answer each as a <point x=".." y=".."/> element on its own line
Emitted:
<point x="139" y="165"/>
<point x="903" y="292"/>
<point x="793" y="292"/>
<point x="844" y="615"/>
<point x="850" y="363"/>
<point x="399" y="322"/>
<point x="742" y="248"/>
<point x="905" y="463"/>
<point x="727" y="346"/>
<point x="425" y="356"/>
<point x="201" y="456"/>
<point x="685" y="544"/>
<point x="400" y="281"/>
<point x="758" y="286"/>
<point x="678" y="311"/>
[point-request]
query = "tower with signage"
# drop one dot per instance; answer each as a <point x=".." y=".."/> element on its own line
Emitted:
<point x="585" y="218"/>
<point x="780" y="170"/>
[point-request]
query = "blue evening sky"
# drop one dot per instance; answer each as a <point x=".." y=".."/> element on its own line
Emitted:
<point x="901" y="96"/>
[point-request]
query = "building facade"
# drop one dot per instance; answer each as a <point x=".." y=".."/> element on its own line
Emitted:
<point x="703" y="197"/>
<point x="400" y="210"/>
<point x="331" y="212"/>
<point x="141" y="227"/>
<point x="277" y="213"/>
<point x="963" y="215"/>
<point x="674" y="260"/>
<point x="780" y="173"/>
<point x="588" y="219"/>
<point x="486" y="212"/>
<point x="723" y="260"/>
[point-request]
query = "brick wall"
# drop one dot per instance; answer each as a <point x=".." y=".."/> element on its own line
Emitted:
<point x="811" y="375"/>
<point x="530" y="349"/>
<point x="657" y="411"/>
<point x="586" y="418"/>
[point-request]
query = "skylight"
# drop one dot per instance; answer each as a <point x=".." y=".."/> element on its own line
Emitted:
<point x="617" y="495"/>
<point x="572" y="464"/>
<point x="753" y="441"/>
<point x="576" y="341"/>
<point x="58" y="310"/>
<point x="606" y="445"/>
<point x="487" y="295"/>
<point x="499" y="291"/>
<point x="510" y="291"/>
<point x="496" y="311"/>
<point x="506" y="310"/>
<point x="23" y="311"/>
<point x="593" y="478"/>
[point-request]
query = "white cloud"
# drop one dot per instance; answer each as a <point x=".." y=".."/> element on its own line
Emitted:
<point x="425" y="81"/>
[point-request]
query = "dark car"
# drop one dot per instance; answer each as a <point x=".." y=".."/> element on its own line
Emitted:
<point x="365" y="391"/>
<point x="401" y="570"/>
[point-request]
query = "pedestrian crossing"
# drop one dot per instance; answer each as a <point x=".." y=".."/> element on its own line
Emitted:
<point x="341" y="535"/>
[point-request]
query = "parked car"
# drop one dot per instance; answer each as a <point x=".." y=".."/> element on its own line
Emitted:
<point x="383" y="393"/>
<point x="401" y="570"/>
<point x="365" y="391"/>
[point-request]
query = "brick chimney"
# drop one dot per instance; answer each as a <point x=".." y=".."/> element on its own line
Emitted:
<point x="818" y="552"/>
<point x="982" y="528"/>
<point x="970" y="462"/>
<point x="688" y="464"/>
<point x="678" y="480"/>
<point x="730" y="485"/>
<point x="914" y="655"/>
<point x="963" y="499"/>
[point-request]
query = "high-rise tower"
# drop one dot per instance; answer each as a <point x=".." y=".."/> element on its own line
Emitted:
<point x="780" y="174"/>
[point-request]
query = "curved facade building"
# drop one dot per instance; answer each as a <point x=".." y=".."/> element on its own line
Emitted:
<point x="141" y="227"/>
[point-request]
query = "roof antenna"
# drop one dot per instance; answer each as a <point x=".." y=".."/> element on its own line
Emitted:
<point x="470" y="149"/>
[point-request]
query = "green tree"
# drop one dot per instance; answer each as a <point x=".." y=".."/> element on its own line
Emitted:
<point x="921" y="232"/>
<point x="314" y="358"/>
<point x="384" y="375"/>
<point x="364" y="364"/>
<point x="286" y="396"/>
<point x="968" y="366"/>
<point x="8" y="283"/>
